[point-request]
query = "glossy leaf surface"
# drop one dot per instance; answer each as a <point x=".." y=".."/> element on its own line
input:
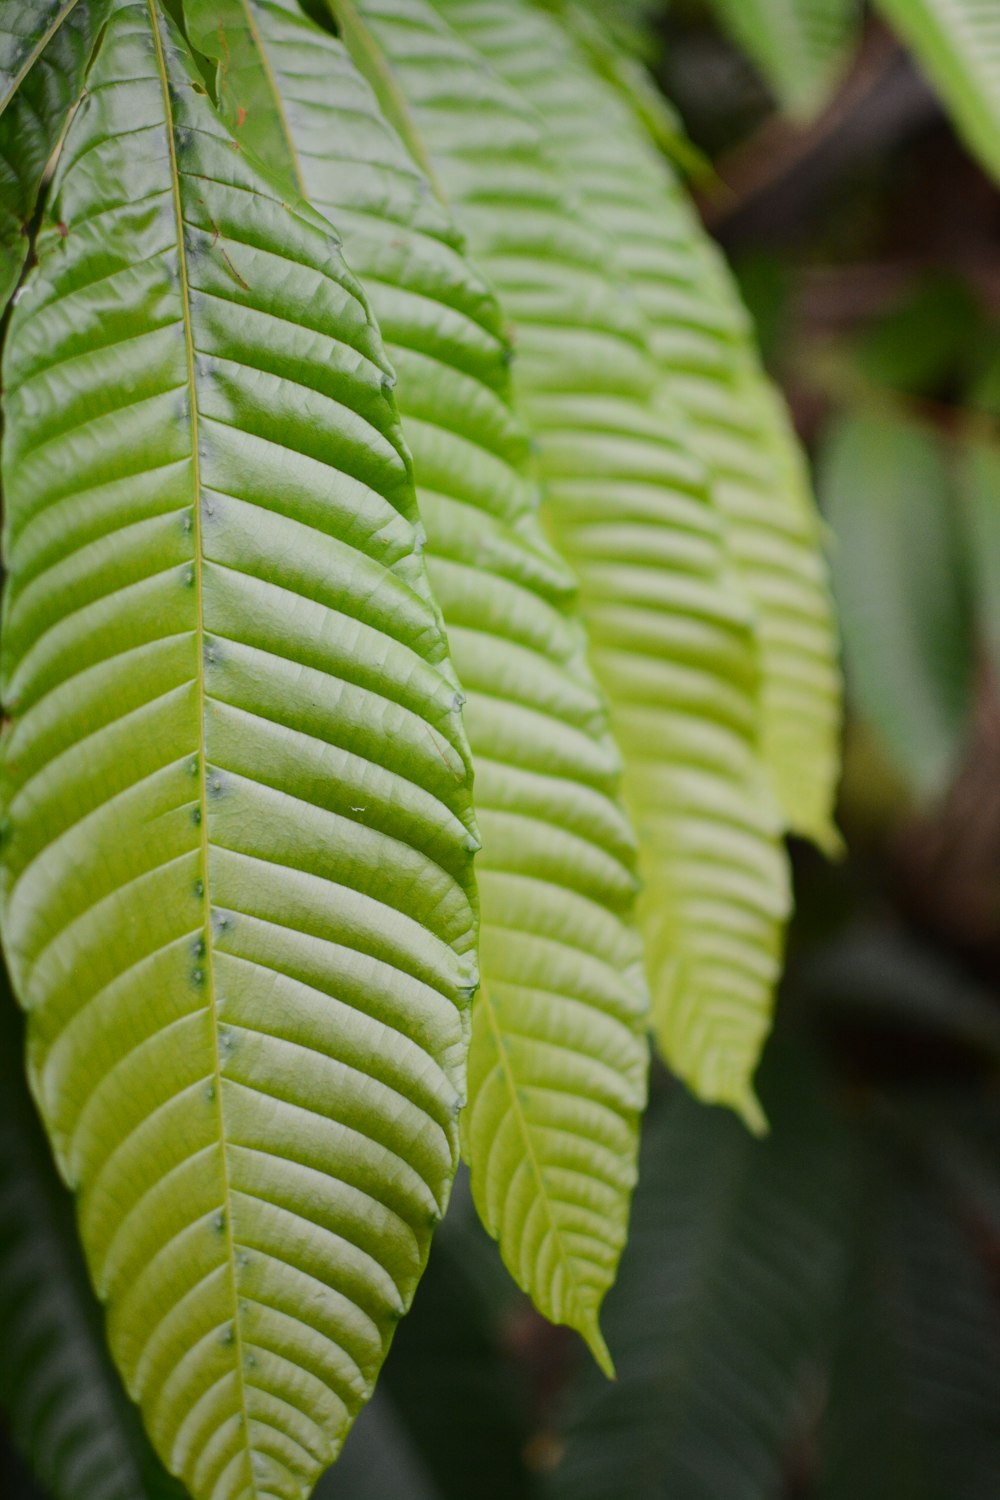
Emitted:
<point x="237" y="864"/>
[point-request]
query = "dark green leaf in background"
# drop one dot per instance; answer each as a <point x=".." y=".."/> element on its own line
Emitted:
<point x="899" y="581"/>
<point x="59" y="1392"/>
<point x="913" y="1411"/>
<point x="720" y="1314"/>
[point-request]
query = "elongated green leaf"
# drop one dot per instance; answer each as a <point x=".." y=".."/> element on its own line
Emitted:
<point x="49" y="82"/>
<point x="722" y="1310"/>
<point x="558" y="1057"/>
<point x="957" y="43"/>
<point x="59" y="1392"/>
<point x="701" y="338"/>
<point x="899" y="576"/>
<point x="800" y="46"/>
<point x="238" y="840"/>
<point x="672" y="643"/>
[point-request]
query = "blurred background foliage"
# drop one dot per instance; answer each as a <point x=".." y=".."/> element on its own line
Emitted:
<point x="814" y="1315"/>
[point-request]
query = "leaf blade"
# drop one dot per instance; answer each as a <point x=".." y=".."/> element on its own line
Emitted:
<point x="629" y="505"/>
<point x="557" y="854"/>
<point x="266" y="824"/>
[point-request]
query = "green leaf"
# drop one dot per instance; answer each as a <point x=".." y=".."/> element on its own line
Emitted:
<point x="44" y="81"/>
<point x="59" y="1392"/>
<point x="922" y="346"/>
<point x="26" y="29"/>
<point x="899" y="578"/>
<point x="912" y="1409"/>
<point x="957" y="44"/>
<point x="700" y="336"/>
<point x="722" y="1309"/>
<point x="238" y="901"/>
<point x="800" y="46"/>
<point x="558" y="1057"/>
<point x="672" y="643"/>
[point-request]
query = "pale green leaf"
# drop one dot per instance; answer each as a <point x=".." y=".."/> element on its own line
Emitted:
<point x="672" y="640"/>
<point x="700" y="336"/>
<point x="238" y="902"/>
<point x="888" y="495"/>
<point x="800" y="46"/>
<point x="59" y="1393"/>
<point x="957" y="44"/>
<point x="558" y="1056"/>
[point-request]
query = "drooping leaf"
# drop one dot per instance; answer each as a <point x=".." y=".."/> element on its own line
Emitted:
<point x="671" y="638"/>
<point x="558" y="1055"/>
<point x="957" y="44"/>
<point x="237" y="858"/>
<point x="721" y="1314"/>
<point x="43" y="62"/>
<point x="59" y="1392"/>
<point x="800" y="46"/>
<point x="899" y="578"/>
<point x="700" y="336"/>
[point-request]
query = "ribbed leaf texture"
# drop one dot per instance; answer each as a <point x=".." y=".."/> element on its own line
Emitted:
<point x="702" y="341"/>
<point x="672" y="642"/>
<point x="732" y="1277"/>
<point x="800" y="46"/>
<point x="558" y="1056"/>
<point x="238" y="837"/>
<point x="59" y="1392"/>
<point x="42" y="68"/>
<point x="957" y="43"/>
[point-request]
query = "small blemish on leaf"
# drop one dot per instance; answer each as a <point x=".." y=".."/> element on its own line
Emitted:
<point x="196" y="815"/>
<point x="241" y="115"/>
<point x="219" y="1222"/>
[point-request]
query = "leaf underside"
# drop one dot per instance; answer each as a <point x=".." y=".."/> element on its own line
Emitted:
<point x="672" y="643"/>
<point x="238" y="838"/>
<point x="701" y="339"/>
<point x="558" y="1057"/>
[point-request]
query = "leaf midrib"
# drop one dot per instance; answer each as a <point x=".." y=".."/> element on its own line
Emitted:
<point x="207" y="957"/>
